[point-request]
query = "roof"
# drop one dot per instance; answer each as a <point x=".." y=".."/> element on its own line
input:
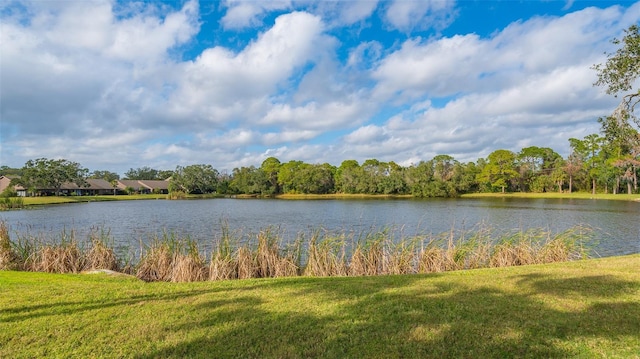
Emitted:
<point x="149" y="184"/>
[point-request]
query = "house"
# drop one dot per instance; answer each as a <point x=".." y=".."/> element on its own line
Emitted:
<point x="93" y="187"/>
<point x="5" y="182"/>
<point x="144" y="186"/>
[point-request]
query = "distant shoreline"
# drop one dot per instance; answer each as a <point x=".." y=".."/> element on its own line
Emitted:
<point x="49" y="200"/>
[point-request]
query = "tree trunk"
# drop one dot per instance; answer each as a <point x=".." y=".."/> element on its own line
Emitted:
<point x="503" y="189"/>
<point x="593" y="188"/>
<point x="570" y="183"/>
<point x="629" y="186"/>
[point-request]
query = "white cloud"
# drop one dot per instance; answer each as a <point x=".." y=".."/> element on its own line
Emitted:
<point x="247" y="13"/>
<point x="406" y="15"/>
<point x="221" y="85"/>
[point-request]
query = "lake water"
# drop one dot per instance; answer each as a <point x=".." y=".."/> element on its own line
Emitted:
<point x="616" y="224"/>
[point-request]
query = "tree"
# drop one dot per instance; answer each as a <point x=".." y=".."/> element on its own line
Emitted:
<point x="620" y="72"/>
<point x="347" y="176"/>
<point x="271" y="167"/>
<point x="49" y="174"/>
<point x="146" y="173"/>
<point x="194" y="179"/>
<point x="499" y="170"/>
<point x="249" y="180"/>
<point x="105" y="175"/>
<point x="8" y="171"/>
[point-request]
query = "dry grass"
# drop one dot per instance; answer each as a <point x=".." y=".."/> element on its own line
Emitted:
<point x="101" y="255"/>
<point x="189" y="267"/>
<point x="156" y="263"/>
<point x="223" y="267"/>
<point x="326" y="256"/>
<point x="58" y="258"/>
<point x="9" y="260"/>
<point x="263" y="255"/>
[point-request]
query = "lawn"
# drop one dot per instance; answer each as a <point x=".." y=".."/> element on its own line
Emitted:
<point x="34" y="201"/>
<point x="585" y="308"/>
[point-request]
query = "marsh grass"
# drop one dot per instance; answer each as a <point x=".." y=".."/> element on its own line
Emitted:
<point x="173" y="258"/>
<point x="9" y="259"/>
<point x="64" y="256"/>
<point x="101" y="254"/>
<point x="11" y="203"/>
<point x="326" y="255"/>
<point x="223" y="264"/>
<point x="170" y="258"/>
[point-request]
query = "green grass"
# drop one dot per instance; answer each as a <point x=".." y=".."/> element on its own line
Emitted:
<point x="577" y="309"/>
<point x="574" y="195"/>
<point x="35" y="201"/>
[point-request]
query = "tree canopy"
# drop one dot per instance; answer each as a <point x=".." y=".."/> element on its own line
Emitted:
<point x="619" y="74"/>
<point x="50" y="174"/>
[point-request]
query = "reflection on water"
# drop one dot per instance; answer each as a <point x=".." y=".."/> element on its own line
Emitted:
<point x="616" y="223"/>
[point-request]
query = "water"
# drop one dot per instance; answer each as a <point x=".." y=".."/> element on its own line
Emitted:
<point x="616" y="223"/>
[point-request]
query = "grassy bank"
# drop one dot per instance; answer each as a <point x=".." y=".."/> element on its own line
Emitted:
<point x="578" y="309"/>
<point x="575" y="195"/>
<point x="34" y="201"/>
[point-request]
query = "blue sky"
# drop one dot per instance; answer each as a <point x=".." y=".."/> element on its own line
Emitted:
<point x="119" y="85"/>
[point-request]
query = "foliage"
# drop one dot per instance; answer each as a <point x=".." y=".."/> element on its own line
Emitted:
<point x="147" y="173"/>
<point x="620" y="72"/>
<point x="499" y="170"/>
<point x="105" y="175"/>
<point x="199" y="179"/>
<point x="48" y="174"/>
<point x="8" y="171"/>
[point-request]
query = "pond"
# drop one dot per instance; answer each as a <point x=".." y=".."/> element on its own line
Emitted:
<point x="616" y="224"/>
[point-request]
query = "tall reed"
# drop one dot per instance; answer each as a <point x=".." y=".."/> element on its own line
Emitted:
<point x="171" y="257"/>
<point x="64" y="256"/>
<point x="101" y="255"/>
<point x="326" y="255"/>
<point x="9" y="259"/>
<point x="223" y="265"/>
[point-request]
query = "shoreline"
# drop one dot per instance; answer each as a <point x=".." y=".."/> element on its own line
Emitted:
<point x="53" y="200"/>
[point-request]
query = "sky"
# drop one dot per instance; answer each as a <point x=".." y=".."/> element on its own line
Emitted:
<point x="115" y="85"/>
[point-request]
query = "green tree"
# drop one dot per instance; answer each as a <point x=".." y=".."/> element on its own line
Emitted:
<point x="347" y="176"/>
<point x="588" y="150"/>
<point x="248" y="180"/>
<point x="105" y="175"/>
<point x="534" y="162"/>
<point x="199" y="179"/>
<point x="141" y="173"/>
<point x="499" y="170"/>
<point x="619" y="74"/>
<point x="271" y="167"/>
<point x="50" y="174"/>
<point x="315" y="179"/>
<point x="8" y="171"/>
<point x="287" y="176"/>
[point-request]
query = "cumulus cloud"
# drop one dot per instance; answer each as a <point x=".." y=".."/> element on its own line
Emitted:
<point x="218" y="85"/>
<point x="406" y="15"/>
<point x="246" y="13"/>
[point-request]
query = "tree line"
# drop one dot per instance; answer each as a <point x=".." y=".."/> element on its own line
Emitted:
<point x="606" y="163"/>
